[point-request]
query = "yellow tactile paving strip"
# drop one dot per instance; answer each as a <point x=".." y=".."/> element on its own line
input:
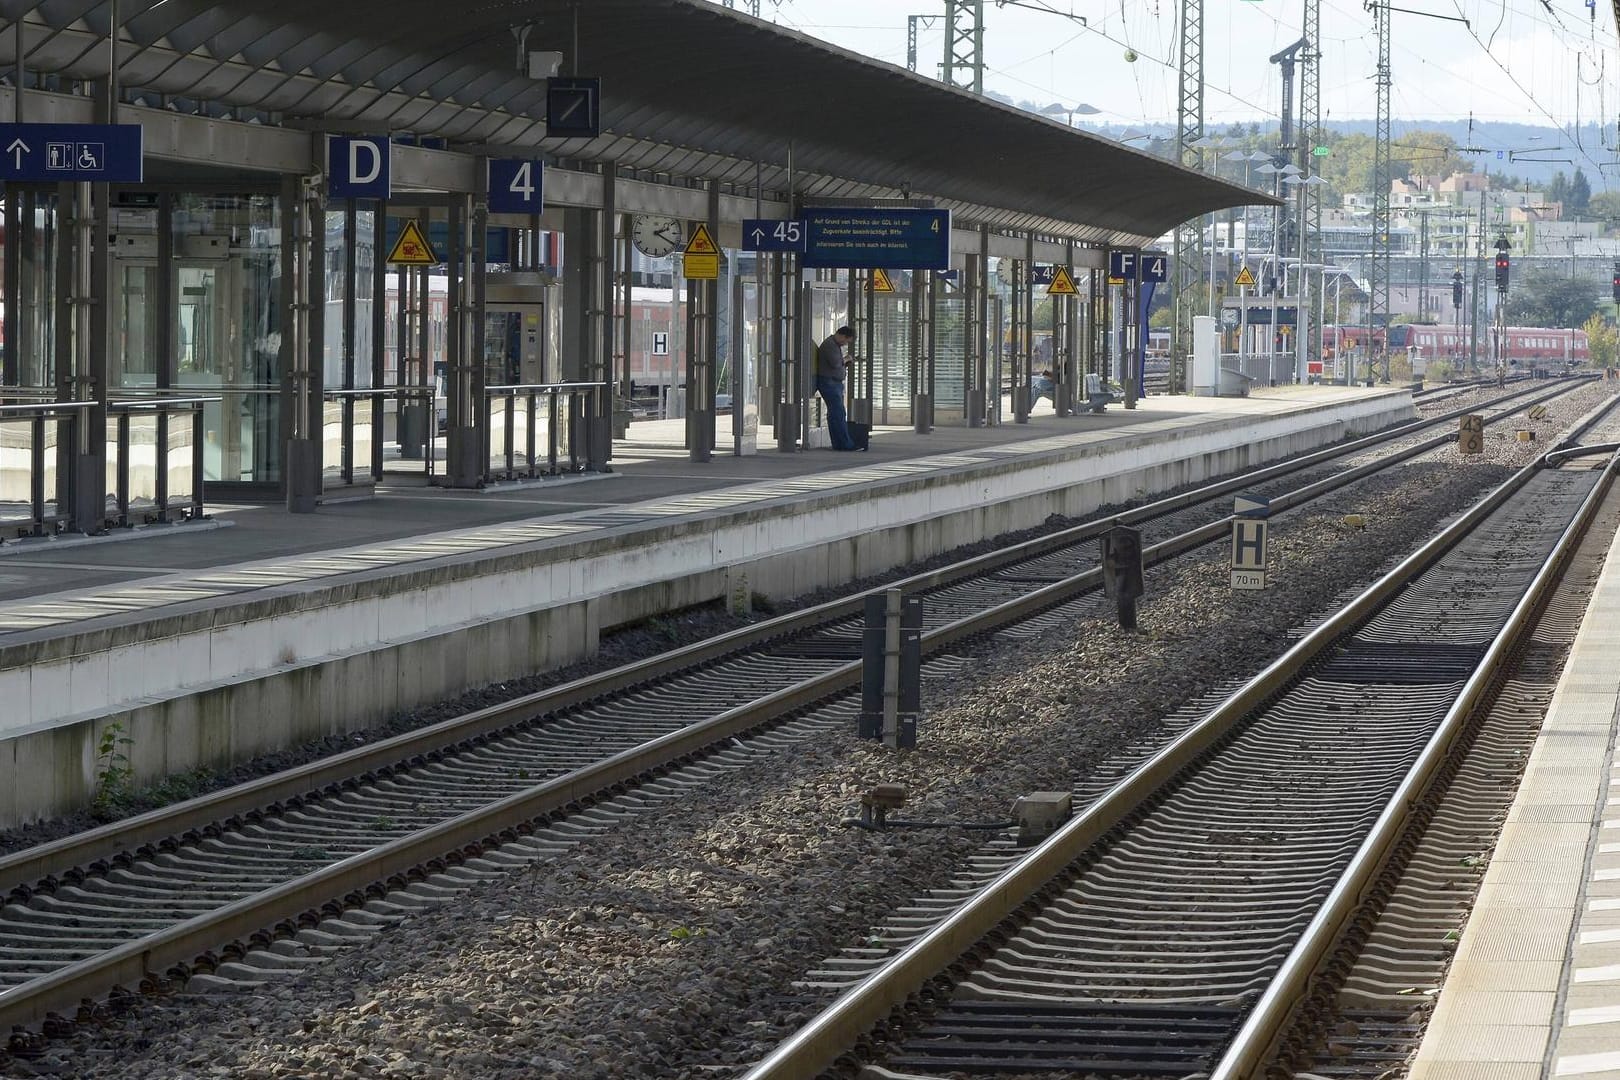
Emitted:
<point x="1535" y="988"/>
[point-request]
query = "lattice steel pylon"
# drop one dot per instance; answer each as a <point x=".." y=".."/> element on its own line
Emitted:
<point x="964" y="45"/>
<point x="914" y="23"/>
<point x="1310" y="195"/>
<point x="1188" y="250"/>
<point x="751" y="6"/>
<point x="1378" y="279"/>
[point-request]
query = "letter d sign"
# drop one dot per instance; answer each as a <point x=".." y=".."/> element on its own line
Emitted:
<point x="357" y="168"/>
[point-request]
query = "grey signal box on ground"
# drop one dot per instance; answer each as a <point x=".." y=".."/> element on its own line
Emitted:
<point x="1122" y="570"/>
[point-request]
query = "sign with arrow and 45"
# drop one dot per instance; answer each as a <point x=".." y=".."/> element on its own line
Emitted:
<point x="766" y="234"/>
<point x="55" y="153"/>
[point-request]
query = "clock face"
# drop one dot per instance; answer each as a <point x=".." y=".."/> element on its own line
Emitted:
<point x="656" y="237"/>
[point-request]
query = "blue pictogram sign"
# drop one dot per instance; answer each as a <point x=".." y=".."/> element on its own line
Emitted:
<point x="52" y="153"/>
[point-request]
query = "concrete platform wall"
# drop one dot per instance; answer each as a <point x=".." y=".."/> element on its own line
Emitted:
<point x="226" y="681"/>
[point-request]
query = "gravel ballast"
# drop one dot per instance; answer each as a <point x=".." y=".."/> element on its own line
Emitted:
<point x="668" y="947"/>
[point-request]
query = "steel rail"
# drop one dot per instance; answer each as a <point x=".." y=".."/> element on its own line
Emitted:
<point x="103" y="842"/>
<point x="1270" y="1019"/>
<point x="816" y="1045"/>
<point x="182" y="943"/>
<point x="179" y="945"/>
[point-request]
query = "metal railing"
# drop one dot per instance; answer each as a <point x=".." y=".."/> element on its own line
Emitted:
<point x="531" y="430"/>
<point x="33" y="495"/>
<point x="154" y="461"/>
<point x="156" y="458"/>
<point x="1260" y="369"/>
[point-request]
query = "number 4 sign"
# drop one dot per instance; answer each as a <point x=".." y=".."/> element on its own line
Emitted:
<point x="516" y="186"/>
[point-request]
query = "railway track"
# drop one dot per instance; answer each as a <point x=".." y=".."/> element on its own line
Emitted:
<point x="220" y="886"/>
<point x="1174" y="925"/>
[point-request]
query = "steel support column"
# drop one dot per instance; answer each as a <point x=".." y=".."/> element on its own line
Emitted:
<point x="465" y="416"/>
<point x="302" y="252"/>
<point x="789" y="306"/>
<point x="1023" y="323"/>
<point x="599" y="424"/>
<point x="922" y="350"/>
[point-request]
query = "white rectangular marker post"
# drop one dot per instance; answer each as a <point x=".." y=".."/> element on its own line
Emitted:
<point x="1249" y="541"/>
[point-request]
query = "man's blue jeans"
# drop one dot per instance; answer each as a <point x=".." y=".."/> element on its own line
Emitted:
<point x="832" y="392"/>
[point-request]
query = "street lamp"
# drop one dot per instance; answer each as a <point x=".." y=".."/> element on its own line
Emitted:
<point x="1070" y="111"/>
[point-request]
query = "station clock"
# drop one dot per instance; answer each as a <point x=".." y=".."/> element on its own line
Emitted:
<point x="656" y="237"/>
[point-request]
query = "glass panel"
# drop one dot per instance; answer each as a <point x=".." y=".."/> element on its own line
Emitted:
<point x="111" y="440"/>
<point x="365" y="345"/>
<point x="239" y="437"/>
<point x="332" y="322"/>
<point x="143" y="457"/>
<point x="332" y="441"/>
<point x="950" y="352"/>
<point x="501" y="335"/>
<point x="16" y="469"/>
<point x="227" y="332"/>
<point x="58" y="432"/>
<point x="362" y="436"/>
<point x="136" y="315"/>
<point x="36" y="294"/>
<point x="499" y="432"/>
<point x="178" y="457"/>
<point x="892" y="315"/>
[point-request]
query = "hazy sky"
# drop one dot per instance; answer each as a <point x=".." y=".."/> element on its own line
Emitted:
<point x="1516" y="61"/>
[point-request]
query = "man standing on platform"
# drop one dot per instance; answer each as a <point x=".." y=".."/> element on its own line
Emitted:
<point x="830" y="365"/>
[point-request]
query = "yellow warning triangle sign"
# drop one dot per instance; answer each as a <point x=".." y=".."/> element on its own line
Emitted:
<point x="702" y="242"/>
<point x="412" y="248"/>
<point x="1244" y="277"/>
<point x="880" y="281"/>
<point x="1062" y="283"/>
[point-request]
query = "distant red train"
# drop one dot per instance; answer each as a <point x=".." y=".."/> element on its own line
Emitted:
<point x="1526" y="345"/>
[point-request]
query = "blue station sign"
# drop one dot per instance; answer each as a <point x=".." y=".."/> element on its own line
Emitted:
<point x="516" y="186"/>
<point x="769" y="234"/>
<point x="53" y="153"/>
<point x="1155" y="267"/>
<point x="877" y="238"/>
<point x="358" y="167"/>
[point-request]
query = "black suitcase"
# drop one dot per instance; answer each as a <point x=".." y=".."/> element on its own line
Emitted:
<point x="860" y="434"/>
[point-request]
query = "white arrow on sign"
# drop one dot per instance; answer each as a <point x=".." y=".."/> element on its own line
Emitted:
<point x="759" y="234"/>
<point x="17" y="149"/>
<point x="1252" y="506"/>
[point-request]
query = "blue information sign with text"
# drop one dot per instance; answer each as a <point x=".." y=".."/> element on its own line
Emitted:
<point x="516" y="186"/>
<point x="877" y="238"/>
<point x="766" y="234"/>
<point x="1155" y="267"/>
<point x="51" y="153"/>
<point x="1042" y="274"/>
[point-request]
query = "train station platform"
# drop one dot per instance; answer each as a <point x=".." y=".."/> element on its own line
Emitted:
<point x="212" y="645"/>
<point x="1534" y="989"/>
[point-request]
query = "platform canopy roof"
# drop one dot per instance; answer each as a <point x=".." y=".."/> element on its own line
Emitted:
<point x="690" y="90"/>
